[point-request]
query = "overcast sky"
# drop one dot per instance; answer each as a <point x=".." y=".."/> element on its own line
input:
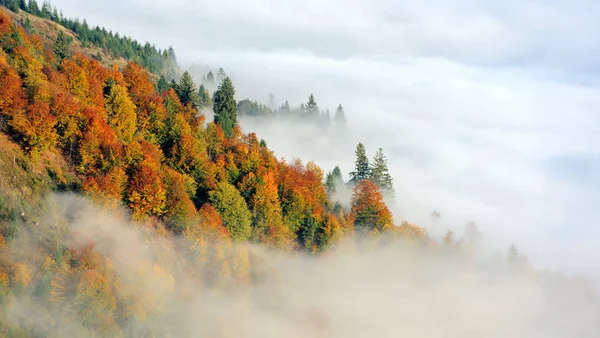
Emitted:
<point x="487" y="110"/>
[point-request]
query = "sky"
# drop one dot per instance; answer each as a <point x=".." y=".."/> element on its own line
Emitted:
<point x="486" y="110"/>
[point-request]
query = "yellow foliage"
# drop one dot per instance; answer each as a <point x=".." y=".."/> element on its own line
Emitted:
<point x="22" y="274"/>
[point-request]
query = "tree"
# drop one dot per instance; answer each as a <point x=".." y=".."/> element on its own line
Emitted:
<point x="312" y="110"/>
<point x="272" y="101"/>
<point x="340" y="115"/>
<point x="204" y="96"/>
<point x="368" y="209"/>
<point x="162" y="84"/>
<point x="121" y="113"/>
<point x="61" y="46"/>
<point x="334" y="180"/>
<point x="210" y="79"/>
<point x="513" y="254"/>
<point x="226" y="199"/>
<point x="266" y="216"/>
<point x="221" y="75"/>
<point x="147" y="194"/>
<point x="186" y="90"/>
<point x="380" y="174"/>
<point x="362" y="171"/>
<point x="225" y="107"/>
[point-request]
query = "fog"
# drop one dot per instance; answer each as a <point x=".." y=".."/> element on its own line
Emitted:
<point x="390" y="288"/>
<point x="486" y="111"/>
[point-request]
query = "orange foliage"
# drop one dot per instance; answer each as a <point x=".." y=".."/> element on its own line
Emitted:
<point x="146" y="193"/>
<point x="12" y="97"/>
<point x="369" y="209"/>
<point x="36" y="127"/>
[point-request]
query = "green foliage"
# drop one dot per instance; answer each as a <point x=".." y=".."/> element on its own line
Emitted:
<point x="225" y="107"/>
<point x="230" y="204"/>
<point x="248" y="107"/>
<point x="162" y="84"/>
<point x="380" y="174"/>
<point x="312" y="109"/>
<point x="186" y="90"/>
<point x="62" y="46"/>
<point x="362" y="170"/>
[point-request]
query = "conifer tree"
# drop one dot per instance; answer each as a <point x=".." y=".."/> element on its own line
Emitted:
<point x="380" y="174"/>
<point x="61" y="47"/>
<point x="204" y="95"/>
<point x="186" y="90"/>
<point x="221" y="75"/>
<point x="362" y="171"/>
<point x="162" y="84"/>
<point x="210" y="79"/>
<point x="225" y="107"/>
<point x="340" y="115"/>
<point x="312" y="109"/>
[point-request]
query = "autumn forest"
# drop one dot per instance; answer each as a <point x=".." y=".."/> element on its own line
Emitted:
<point x="97" y="127"/>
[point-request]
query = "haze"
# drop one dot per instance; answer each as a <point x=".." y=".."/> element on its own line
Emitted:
<point x="487" y="111"/>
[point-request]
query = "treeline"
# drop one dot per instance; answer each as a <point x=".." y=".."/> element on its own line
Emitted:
<point x="157" y="61"/>
<point x="308" y="112"/>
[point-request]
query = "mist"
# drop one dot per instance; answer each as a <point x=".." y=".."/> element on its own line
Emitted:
<point x="485" y="113"/>
<point x="386" y="287"/>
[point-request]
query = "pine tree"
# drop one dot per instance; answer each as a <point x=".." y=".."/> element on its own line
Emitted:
<point x="225" y="107"/>
<point x="204" y="95"/>
<point x="186" y="90"/>
<point x="221" y="75"/>
<point x="162" y="84"/>
<point x="513" y="253"/>
<point x="210" y="79"/>
<point x="380" y="174"/>
<point x="337" y="175"/>
<point x="330" y="184"/>
<point x="311" y="108"/>
<point x="62" y="48"/>
<point x="362" y="171"/>
<point x="340" y="115"/>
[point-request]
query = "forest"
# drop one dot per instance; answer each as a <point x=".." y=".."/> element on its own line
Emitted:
<point x="119" y="201"/>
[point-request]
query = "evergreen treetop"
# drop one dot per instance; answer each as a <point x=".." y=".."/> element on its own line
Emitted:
<point x="362" y="170"/>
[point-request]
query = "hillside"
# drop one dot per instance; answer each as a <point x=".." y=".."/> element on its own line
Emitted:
<point x="75" y="125"/>
<point x="47" y="31"/>
<point x="124" y="213"/>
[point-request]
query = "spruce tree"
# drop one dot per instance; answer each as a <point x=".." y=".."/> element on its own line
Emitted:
<point x="337" y="175"/>
<point x="362" y="170"/>
<point x="225" y="107"/>
<point x="61" y="47"/>
<point x="162" y="84"/>
<point x="186" y="90"/>
<point x="312" y="110"/>
<point x="204" y="95"/>
<point x="380" y="174"/>
<point x="340" y="115"/>
<point x="221" y="75"/>
<point x="210" y="79"/>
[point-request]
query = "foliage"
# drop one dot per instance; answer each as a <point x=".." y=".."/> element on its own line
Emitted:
<point x="380" y="174"/>
<point x="233" y="209"/>
<point x="225" y="108"/>
<point x="362" y="170"/>
<point x="368" y="208"/>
